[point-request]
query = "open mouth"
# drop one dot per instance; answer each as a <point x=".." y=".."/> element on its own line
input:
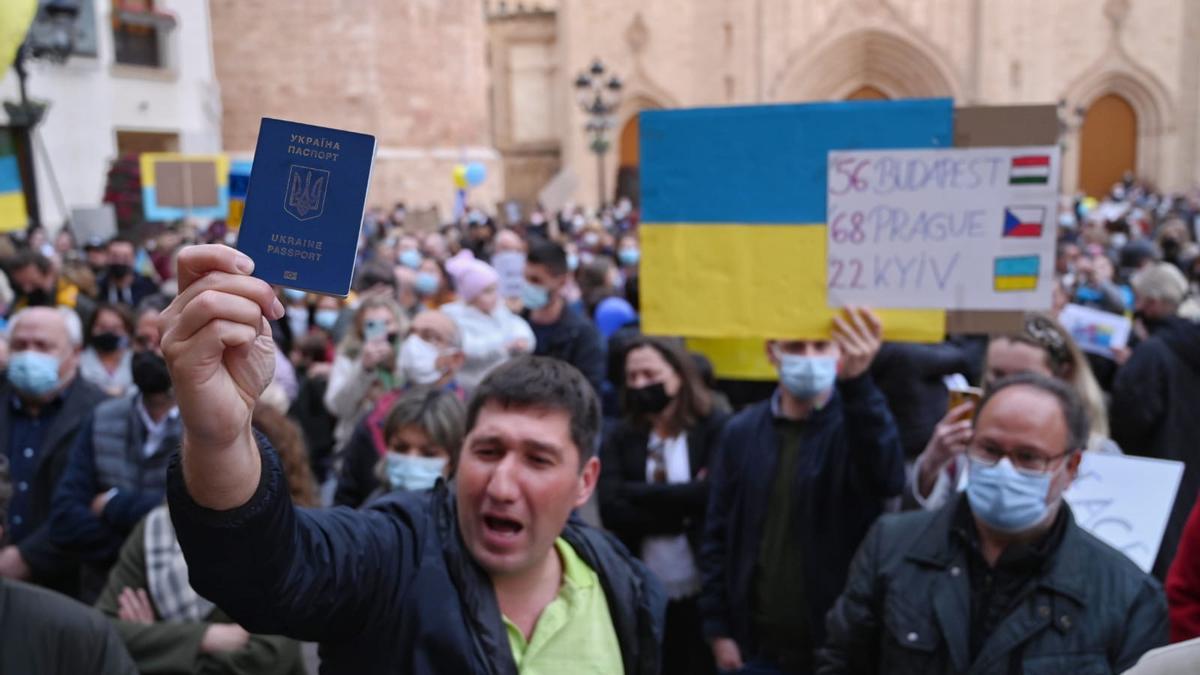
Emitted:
<point x="501" y="526"/>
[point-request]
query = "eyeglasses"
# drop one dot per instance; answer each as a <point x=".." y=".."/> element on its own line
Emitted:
<point x="1024" y="460"/>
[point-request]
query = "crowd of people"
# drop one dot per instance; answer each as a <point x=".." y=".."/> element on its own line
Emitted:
<point x="477" y="462"/>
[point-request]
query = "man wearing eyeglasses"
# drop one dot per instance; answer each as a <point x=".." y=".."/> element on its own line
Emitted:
<point x="1001" y="579"/>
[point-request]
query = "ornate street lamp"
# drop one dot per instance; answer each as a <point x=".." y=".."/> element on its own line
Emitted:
<point x="598" y="97"/>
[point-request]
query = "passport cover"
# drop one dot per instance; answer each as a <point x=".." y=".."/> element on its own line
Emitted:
<point x="304" y="205"/>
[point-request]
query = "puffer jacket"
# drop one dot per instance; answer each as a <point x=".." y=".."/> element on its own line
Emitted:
<point x="906" y="608"/>
<point x="389" y="589"/>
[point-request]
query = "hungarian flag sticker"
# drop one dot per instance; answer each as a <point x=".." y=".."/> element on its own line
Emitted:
<point x="1029" y="170"/>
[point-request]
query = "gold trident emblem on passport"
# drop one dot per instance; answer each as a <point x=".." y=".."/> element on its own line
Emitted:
<point x="306" y="190"/>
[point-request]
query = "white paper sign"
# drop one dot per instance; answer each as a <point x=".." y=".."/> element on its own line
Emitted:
<point x="510" y="265"/>
<point x="94" y="223"/>
<point x="1095" y="331"/>
<point x="1125" y="502"/>
<point x="952" y="229"/>
<point x="555" y="195"/>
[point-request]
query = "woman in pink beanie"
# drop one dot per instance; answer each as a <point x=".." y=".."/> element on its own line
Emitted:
<point x="491" y="334"/>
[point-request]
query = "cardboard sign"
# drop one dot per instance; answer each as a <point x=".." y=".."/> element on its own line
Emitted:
<point x="1125" y="502"/>
<point x="953" y="229"/>
<point x="1096" y="332"/>
<point x="176" y="186"/>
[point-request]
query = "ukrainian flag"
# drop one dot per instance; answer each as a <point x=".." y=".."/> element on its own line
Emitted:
<point x="13" y="216"/>
<point x="733" y="214"/>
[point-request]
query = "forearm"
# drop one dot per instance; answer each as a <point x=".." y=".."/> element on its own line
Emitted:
<point x="222" y="478"/>
<point x="162" y="647"/>
<point x="262" y="655"/>
<point x="873" y="438"/>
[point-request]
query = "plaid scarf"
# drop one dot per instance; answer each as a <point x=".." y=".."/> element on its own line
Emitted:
<point x="167" y="573"/>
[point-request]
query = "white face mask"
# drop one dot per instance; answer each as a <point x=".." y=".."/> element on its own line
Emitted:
<point x="418" y="361"/>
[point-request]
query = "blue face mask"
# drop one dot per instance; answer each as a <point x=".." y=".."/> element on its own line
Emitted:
<point x="326" y="318"/>
<point x="572" y="262"/>
<point x="294" y="295"/>
<point x="534" y="297"/>
<point x="629" y="256"/>
<point x="410" y="258"/>
<point x="427" y="284"/>
<point x="1006" y="499"/>
<point x="412" y="473"/>
<point x="807" y="377"/>
<point x="33" y="373"/>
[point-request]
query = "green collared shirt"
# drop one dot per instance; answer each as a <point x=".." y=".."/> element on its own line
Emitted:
<point x="574" y="633"/>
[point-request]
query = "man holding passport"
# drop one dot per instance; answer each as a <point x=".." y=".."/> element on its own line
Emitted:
<point x="488" y="575"/>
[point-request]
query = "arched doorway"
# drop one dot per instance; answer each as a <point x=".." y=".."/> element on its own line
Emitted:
<point x="864" y="64"/>
<point x="1107" y="144"/>
<point x="628" y="154"/>
<point x="867" y="93"/>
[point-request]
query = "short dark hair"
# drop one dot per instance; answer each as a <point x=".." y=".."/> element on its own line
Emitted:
<point x="122" y="311"/>
<point x="28" y="257"/>
<point x="1074" y="412"/>
<point x="546" y="383"/>
<point x="548" y="253"/>
<point x="120" y="240"/>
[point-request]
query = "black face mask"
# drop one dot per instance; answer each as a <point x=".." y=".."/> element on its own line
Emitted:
<point x="38" y="297"/>
<point x="119" y="269"/>
<point x="150" y="373"/>
<point x="649" y="400"/>
<point x="107" y="343"/>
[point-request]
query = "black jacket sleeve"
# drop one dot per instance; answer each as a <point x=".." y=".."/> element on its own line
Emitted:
<point x="873" y="438"/>
<point x="314" y="575"/>
<point x="1139" y="399"/>
<point x="722" y="479"/>
<point x="633" y="508"/>
<point x="356" y="477"/>
<point x="852" y="627"/>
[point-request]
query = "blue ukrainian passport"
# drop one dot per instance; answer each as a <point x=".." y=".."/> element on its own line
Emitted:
<point x="304" y="205"/>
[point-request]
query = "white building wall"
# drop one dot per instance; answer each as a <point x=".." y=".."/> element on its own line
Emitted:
<point x="91" y="98"/>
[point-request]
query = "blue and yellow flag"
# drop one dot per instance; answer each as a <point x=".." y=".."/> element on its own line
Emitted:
<point x="733" y="215"/>
<point x="13" y="216"/>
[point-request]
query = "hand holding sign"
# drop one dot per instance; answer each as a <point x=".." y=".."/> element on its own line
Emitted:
<point x="859" y="335"/>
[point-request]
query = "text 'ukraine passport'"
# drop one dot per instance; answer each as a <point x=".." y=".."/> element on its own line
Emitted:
<point x="304" y="205"/>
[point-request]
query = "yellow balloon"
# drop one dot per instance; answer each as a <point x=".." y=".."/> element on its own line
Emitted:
<point x="460" y="176"/>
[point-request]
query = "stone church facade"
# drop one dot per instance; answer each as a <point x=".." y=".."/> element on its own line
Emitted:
<point x="446" y="81"/>
<point x="1125" y="75"/>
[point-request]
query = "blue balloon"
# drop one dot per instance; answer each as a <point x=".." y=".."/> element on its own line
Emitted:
<point x="476" y="173"/>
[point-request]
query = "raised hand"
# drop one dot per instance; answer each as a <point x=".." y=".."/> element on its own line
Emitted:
<point x="218" y="347"/>
<point x="859" y="335"/>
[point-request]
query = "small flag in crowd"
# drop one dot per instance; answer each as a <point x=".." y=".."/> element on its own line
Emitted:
<point x="1024" y="221"/>
<point x="1016" y="273"/>
<point x="13" y="216"/>
<point x="1029" y="170"/>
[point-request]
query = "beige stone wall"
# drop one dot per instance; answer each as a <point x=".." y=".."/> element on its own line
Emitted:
<point x="413" y="73"/>
<point x="700" y="52"/>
